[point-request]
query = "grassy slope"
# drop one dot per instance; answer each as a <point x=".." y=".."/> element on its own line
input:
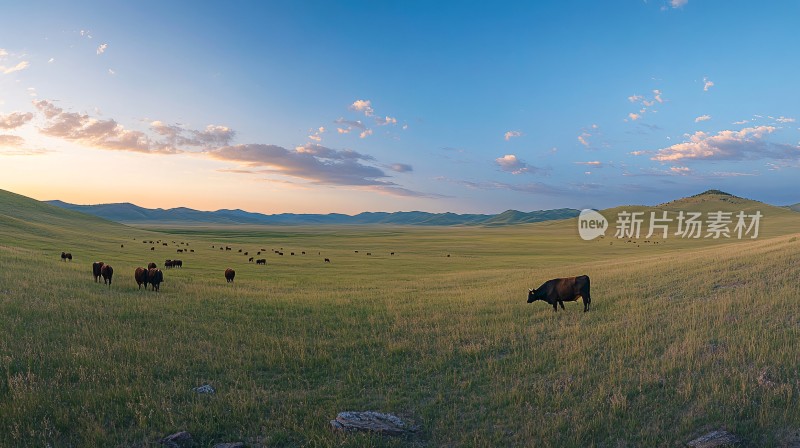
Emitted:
<point x="677" y="340"/>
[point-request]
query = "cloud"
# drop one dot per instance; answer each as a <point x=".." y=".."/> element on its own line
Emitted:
<point x="707" y="84"/>
<point x="783" y="119"/>
<point x="12" y="145"/>
<point x="352" y="123"/>
<point x="102" y="49"/>
<point x="317" y="134"/>
<point x="530" y="187"/>
<point x="108" y="134"/>
<point x="511" y="164"/>
<point x="511" y="134"/>
<point x="19" y="67"/>
<point x="678" y="3"/>
<point x="401" y="168"/>
<point x="364" y="106"/>
<point x="3" y="53"/>
<point x="635" y="98"/>
<point x="11" y="141"/>
<point x="657" y="96"/>
<point x="51" y="60"/>
<point x="111" y="72"/>
<point x="634" y="116"/>
<point x="344" y="130"/>
<point x="681" y="170"/>
<point x="366" y="133"/>
<point x="741" y="122"/>
<point x="15" y="120"/>
<point x="746" y="144"/>
<point x="594" y="163"/>
<point x="384" y="121"/>
<point x="85" y="33"/>
<point x="702" y="118"/>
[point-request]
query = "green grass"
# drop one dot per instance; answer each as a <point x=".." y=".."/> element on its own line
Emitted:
<point x="677" y="339"/>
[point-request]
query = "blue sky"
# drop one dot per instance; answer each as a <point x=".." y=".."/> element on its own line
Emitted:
<point x="364" y="106"/>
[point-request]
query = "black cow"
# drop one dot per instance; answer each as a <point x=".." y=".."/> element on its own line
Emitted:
<point x="261" y="261"/>
<point x="177" y="263"/>
<point x="229" y="275"/>
<point x="96" y="267"/>
<point x="151" y="265"/>
<point x="250" y="260"/>
<point x="327" y="260"/>
<point x="107" y="272"/>
<point x="66" y="256"/>
<point x="560" y="290"/>
<point x="155" y="277"/>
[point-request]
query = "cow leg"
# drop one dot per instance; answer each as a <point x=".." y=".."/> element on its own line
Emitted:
<point x="562" y="304"/>
<point x="555" y="307"/>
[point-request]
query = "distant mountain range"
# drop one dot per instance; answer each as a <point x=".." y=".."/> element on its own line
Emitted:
<point x="133" y="214"/>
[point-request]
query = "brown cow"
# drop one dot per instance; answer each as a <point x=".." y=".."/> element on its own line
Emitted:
<point x="141" y="277"/>
<point x="96" y="267"/>
<point x="151" y="265"/>
<point x="107" y="272"/>
<point x="560" y="290"/>
<point x="155" y="277"/>
<point x="229" y="275"/>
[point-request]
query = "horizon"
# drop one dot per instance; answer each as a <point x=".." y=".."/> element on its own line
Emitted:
<point x="438" y="108"/>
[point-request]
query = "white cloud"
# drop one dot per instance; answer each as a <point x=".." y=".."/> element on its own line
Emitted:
<point x="102" y="48"/>
<point x="783" y="119"/>
<point x="85" y="33"/>
<point x="22" y="65"/>
<point x="657" y="96"/>
<point x="707" y="84"/>
<point x="366" y="133"/>
<point x="511" y="164"/>
<point x="702" y="118"/>
<point x="741" y="122"/>
<point x="384" y="121"/>
<point x="51" y="60"/>
<point x="596" y="163"/>
<point x="677" y="3"/>
<point x="352" y="123"/>
<point x="111" y="72"/>
<point x="14" y="120"/>
<point x="583" y="138"/>
<point x="511" y="134"/>
<point x="635" y="98"/>
<point x="401" y="167"/>
<point x="634" y="116"/>
<point x="681" y="170"/>
<point x="344" y="130"/>
<point x="3" y="53"/>
<point x="746" y="144"/>
<point x="364" y="106"/>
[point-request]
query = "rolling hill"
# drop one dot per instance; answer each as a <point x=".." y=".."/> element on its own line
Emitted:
<point x="133" y="214"/>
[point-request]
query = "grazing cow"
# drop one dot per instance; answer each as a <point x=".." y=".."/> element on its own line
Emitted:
<point x="261" y="261"/>
<point x="164" y="244"/>
<point x="258" y="253"/>
<point x="227" y="248"/>
<point x="246" y="254"/>
<point x="107" y="272"/>
<point x="240" y="251"/>
<point x="229" y="275"/>
<point x="141" y="277"/>
<point x="144" y="242"/>
<point x="151" y="265"/>
<point x="121" y="245"/>
<point x="292" y="254"/>
<point x="356" y="251"/>
<point x="280" y="253"/>
<point x="96" y="267"/>
<point x="303" y="252"/>
<point x="250" y="260"/>
<point x="369" y="253"/>
<point x="327" y="260"/>
<point x="191" y="250"/>
<point x="177" y="263"/>
<point x="152" y="248"/>
<point x="66" y="256"/>
<point x="155" y="277"/>
<point x="168" y="263"/>
<point x="391" y="253"/>
<point x="180" y="251"/>
<point x="560" y="290"/>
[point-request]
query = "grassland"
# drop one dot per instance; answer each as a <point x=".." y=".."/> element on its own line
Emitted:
<point x="683" y="337"/>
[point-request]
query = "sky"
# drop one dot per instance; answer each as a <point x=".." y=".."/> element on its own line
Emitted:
<point x="351" y="106"/>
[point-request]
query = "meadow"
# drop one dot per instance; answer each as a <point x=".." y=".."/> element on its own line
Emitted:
<point x="683" y="337"/>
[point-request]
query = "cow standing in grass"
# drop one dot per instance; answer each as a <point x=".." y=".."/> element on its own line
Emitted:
<point x="107" y="272"/>
<point x="155" y="277"/>
<point x="97" y="266"/>
<point x="229" y="275"/>
<point x="141" y="277"/>
<point x="560" y="290"/>
<point x="66" y="256"/>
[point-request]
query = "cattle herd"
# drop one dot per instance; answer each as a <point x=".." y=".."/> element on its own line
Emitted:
<point x="555" y="292"/>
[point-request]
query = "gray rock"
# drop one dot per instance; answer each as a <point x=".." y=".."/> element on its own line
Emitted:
<point x="370" y="421"/>
<point x="180" y="439"/>
<point x="715" y="439"/>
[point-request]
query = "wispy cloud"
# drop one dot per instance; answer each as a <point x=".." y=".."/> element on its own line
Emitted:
<point x="13" y="145"/>
<point x="366" y="133"/>
<point x="22" y="65"/>
<point x="645" y="104"/>
<point x="511" y="134"/>
<point x="634" y="116"/>
<point x="707" y="84"/>
<point x="401" y="168"/>
<point x="15" y="119"/>
<point x="746" y="144"/>
<point x="783" y="119"/>
<point x="702" y="118"/>
<point x="102" y="48"/>
<point x="678" y="3"/>
<point x="351" y="123"/>
<point x="529" y="187"/>
<point x="511" y="164"/>
<point x="594" y="163"/>
<point x="316" y="134"/>
<point x="385" y="121"/>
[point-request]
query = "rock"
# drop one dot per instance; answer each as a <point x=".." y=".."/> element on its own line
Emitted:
<point x="180" y="439"/>
<point x="715" y="439"/>
<point x="370" y="421"/>
<point x="204" y="389"/>
<point x="229" y="445"/>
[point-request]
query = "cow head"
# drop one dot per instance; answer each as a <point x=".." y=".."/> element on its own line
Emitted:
<point x="531" y="295"/>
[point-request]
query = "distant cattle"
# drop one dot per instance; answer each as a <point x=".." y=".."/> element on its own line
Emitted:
<point x="229" y="275"/>
<point x="66" y="256"/>
<point x="292" y="254"/>
<point x="303" y="252"/>
<point x="356" y="251"/>
<point x="327" y="260"/>
<point x="164" y="244"/>
<point x="191" y="250"/>
<point x="141" y="277"/>
<point x="107" y="272"/>
<point x="96" y="267"/>
<point x="151" y="265"/>
<point x="560" y="290"/>
<point x="121" y="245"/>
<point x="152" y="248"/>
<point x="369" y="253"/>
<point x="258" y="253"/>
<point x="177" y="263"/>
<point x="167" y="263"/>
<point x="280" y="253"/>
<point x="246" y="254"/>
<point x="391" y="253"/>
<point x="261" y="261"/>
<point x="144" y="242"/>
<point x="250" y="260"/>
<point x="227" y="248"/>
<point x="180" y="251"/>
<point x="155" y="277"/>
<point x="240" y="251"/>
